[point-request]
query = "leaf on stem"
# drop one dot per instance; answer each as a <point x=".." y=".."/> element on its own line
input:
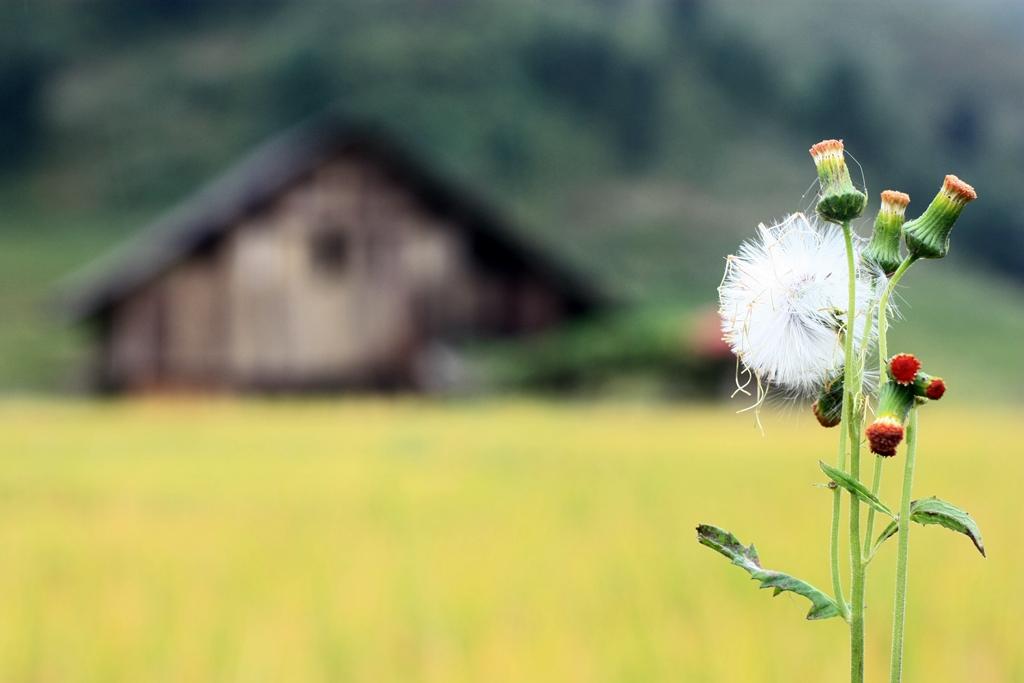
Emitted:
<point x="855" y="487"/>
<point x="822" y="606"/>
<point x="936" y="511"/>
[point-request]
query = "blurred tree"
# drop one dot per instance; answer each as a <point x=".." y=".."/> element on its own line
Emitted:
<point x="743" y="70"/>
<point x="635" y="114"/>
<point x="508" y="149"/>
<point x="302" y="85"/>
<point x="121" y="14"/>
<point x="22" y="78"/>
<point x="962" y="126"/>
<point x="998" y="235"/>
<point x="573" y="66"/>
<point x="684" y="19"/>
<point x="597" y="79"/>
<point x="840" y="105"/>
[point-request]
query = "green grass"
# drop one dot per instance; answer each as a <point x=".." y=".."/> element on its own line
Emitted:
<point x="371" y="541"/>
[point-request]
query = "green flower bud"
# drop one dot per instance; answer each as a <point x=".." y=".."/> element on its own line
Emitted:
<point x="927" y="235"/>
<point x="828" y="407"/>
<point x="839" y="200"/>
<point x="884" y="248"/>
<point x="895" y="401"/>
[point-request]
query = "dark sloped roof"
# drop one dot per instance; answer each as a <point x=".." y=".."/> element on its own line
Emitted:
<point x="273" y="168"/>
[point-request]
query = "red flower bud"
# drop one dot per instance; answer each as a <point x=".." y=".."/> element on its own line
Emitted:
<point x="903" y="367"/>
<point x="884" y="435"/>
<point x="936" y="389"/>
<point x="929" y="387"/>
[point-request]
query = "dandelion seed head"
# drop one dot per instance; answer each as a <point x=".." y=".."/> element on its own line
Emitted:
<point x="783" y="303"/>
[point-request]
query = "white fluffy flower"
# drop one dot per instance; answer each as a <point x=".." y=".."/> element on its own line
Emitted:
<point x="783" y="302"/>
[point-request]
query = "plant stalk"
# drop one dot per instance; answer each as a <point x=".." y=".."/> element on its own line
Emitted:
<point x="852" y="378"/>
<point x="876" y="485"/>
<point x="837" y="581"/>
<point x="903" y="554"/>
<point x="883" y="377"/>
<point x="883" y="318"/>
<point x="857" y="566"/>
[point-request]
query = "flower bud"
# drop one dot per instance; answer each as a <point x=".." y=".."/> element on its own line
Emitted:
<point x="903" y="368"/>
<point x="828" y="407"/>
<point x="929" y="387"/>
<point x="886" y="432"/>
<point x="927" y="235"/>
<point x="839" y="200"/>
<point x="884" y="435"/>
<point x="884" y="248"/>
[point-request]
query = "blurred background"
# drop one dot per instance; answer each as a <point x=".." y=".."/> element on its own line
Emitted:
<point x="407" y="307"/>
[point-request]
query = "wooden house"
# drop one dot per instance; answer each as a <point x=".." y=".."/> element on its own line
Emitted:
<point x="328" y="259"/>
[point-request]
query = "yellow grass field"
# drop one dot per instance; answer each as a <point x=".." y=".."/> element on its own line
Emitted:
<point x="408" y="542"/>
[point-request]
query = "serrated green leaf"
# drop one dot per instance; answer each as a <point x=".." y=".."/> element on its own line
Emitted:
<point x="936" y="511"/>
<point x="855" y="487"/>
<point x="822" y="606"/>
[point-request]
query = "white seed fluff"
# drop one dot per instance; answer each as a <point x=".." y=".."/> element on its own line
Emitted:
<point x="783" y="303"/>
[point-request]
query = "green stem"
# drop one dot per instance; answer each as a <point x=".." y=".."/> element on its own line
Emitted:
<point x="883" y="377"/>
<point x="876" y="485"/>
<point x="852" y="377"/>
<point x="857" y="567"/>
<point x="883" y="318"/>
<point x="865" y="339"/>
<point x="903" y="554"/>
<point x="837" y="581"/>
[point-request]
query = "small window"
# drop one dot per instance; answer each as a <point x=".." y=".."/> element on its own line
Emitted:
<point x="329" y="252"/>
